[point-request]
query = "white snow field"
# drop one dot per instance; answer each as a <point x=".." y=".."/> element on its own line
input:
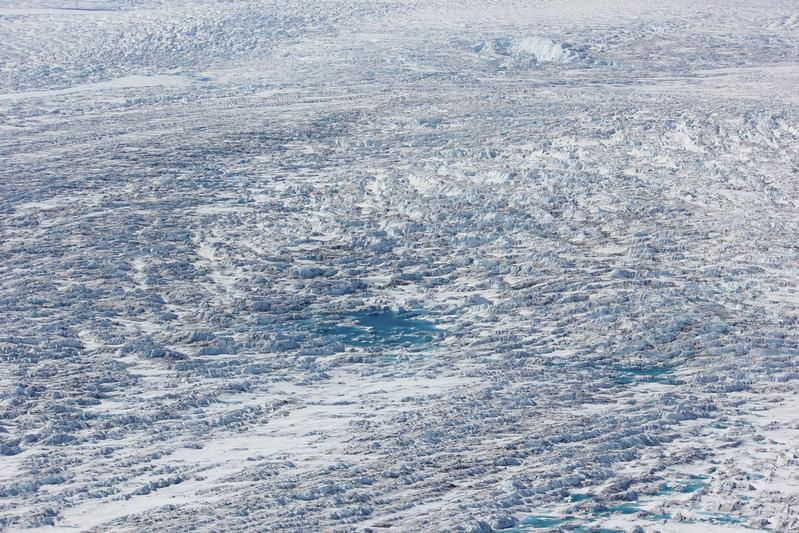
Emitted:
<point x="402" y="265"/>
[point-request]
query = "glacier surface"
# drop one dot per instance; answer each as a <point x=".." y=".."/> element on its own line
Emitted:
<point x="401" y="265"/>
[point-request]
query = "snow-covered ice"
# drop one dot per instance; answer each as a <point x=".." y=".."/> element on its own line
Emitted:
<point x="400" y="265"/>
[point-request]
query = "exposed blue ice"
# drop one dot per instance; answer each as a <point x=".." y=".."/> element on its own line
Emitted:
<point x="383" y="328"/>
<point x="625" y="508"/>
<point x="692" y="484"/>
<point x="544" y="521"/>
<point x="589" y="529"/>
<point x="541" y="522"/>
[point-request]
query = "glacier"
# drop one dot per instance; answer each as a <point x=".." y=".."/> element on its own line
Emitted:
<point x="399" y="265"/>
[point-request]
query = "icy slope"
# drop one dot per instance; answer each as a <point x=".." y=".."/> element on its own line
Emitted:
<point x="543" y="50"/>
<point x="300" y="266"/>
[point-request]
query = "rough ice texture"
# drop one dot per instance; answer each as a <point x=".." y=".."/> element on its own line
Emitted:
<point x="543" y="50"/>
<point x="426" y="265"/>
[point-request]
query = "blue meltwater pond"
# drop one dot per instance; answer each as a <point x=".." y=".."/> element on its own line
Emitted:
<point x="380" y="328"/>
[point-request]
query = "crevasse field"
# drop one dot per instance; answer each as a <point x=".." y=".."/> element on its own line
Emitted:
<point x="402" y="265"/>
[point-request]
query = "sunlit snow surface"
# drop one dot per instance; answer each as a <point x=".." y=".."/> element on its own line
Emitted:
<point x="399" y="266"/>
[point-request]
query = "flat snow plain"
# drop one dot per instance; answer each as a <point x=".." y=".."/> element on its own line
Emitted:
<point x="411" y="265"/>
